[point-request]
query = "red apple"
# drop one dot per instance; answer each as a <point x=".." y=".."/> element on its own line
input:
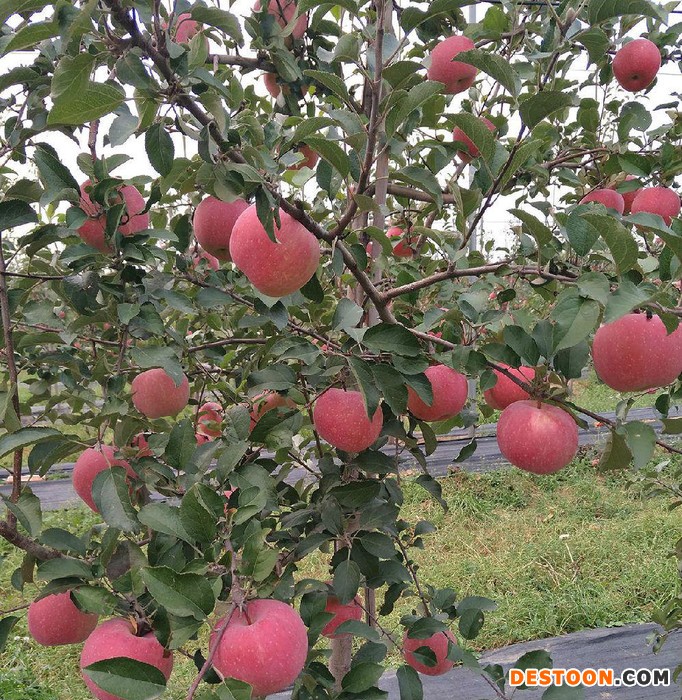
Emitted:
<point x="214" y="222"/>
<point x="116" y="638"/>
<point x="268" y="401"/>
<point x="340" y="418"/>
<point x="265" y="645"/>
<point x="438" y="643"/>
<point x="506" y="392"/>
<point x="636" y="64"/>
<point x="657" y="200"/>
<point x="342" y="613"/>
<point x="203" y="257"/>
<point x="471" y="152"/>
<point x="140" y="443"/>
<point x="609" y="198"/>
<point x="635" y="353"/>
<point x="209" y="420"/>
<point x="456" y="76"/>
<point x="186" y="28"/>
<point x="155" y="393"/>
<point x="132" y="220"/>
<point x="89" y="465"/>
<point x="628" y="197"/>
<point x="284" y="11"/>
<point x="275" y="269"/>
<point x="403" y="248"/>
<point x="55" y="620"/>
<point x="537" y="437"/>
<point x="310" y="158"/>
<point x="271" y="84"/>
<point x="449" y="395"/>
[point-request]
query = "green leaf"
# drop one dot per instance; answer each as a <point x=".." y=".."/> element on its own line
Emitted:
<point x="53" y="174"/>
<point x="497" y="67"/>
<point x="580" y="233"/>
<point x="24" y="438"/>
<point x="603" y="10"/>
<point x="522" y="155"/>
<point x="595" y="41"/>
<point x="534" y="109"/>
<point x="15" y="7"/>
<point x="641" y="439"/>
<point x="28" y="512"/>
<point x="72" y="74"/>
<point x="575" y="318"/>
<point x="111" y="494"/>
<point x="347" y="315"/>
<point x="94" y="599"/>
<point x="160" y="149"/>
<point x="392" y="338"/>
<point x="392" y="387"/>
<point x="410" y="684"/>
<point x="95" y="101"/>
<point x="537" y="658"/>
<point x="478" y="132"/>
<point x="200" y="509"/>
<point x="14" y="212"/>
<point x="626" y="298"/>
<point x="30" y="35"/>
<point x="164" y="518"/>
<point x="672" y="426"/>
<point x="362" y="677"/>
<point x="616" y="454"/>
<point x="185" y="595"/>
<point x="533" y="225"/>
<point x="62" y="540"/>
<point x="522" y="344"/>
<point x="127" y="678"/>
<point x="220" y="19"/>
<point x="415" y="98"/>
<point x="258" y="559"/>
<point x="331" y="81"/>
<point x="363" y="373"/>
<point x="6" y="625"/>
<point x="423" y="179"/>
<point x="331" y="152"/>
<point x="64" y="567"/>
<point x="127" y="312"/>
<point x="181" y="444"/>
<point x="346" y="581"/>
<point x="619" y="240"/>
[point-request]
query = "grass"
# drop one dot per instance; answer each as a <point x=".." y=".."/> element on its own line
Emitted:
<point x="560" y="553"/>
<point x="591" y="394"/>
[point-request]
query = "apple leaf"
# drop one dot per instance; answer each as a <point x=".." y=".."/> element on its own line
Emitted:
<point x="386" y="337"/>
<point x="28" y="512"/>
<point x="220" y="19"/>
<point x="94" y="101"/>
<point x="409" y="683"/>
<point x="603" y="10"/>
<point x="185" y="595"/>
<point x="6" y="625"/>
<point x="478" y="132"/>
<point x="619" y="240"/>
<point x="25" y="438"/>
<point x="346" y="581"/>
<point x="111" y="494"/>
<point x="128" y="679"/>
<point x="493" y="65"/>
<point x="537" y="107"/>
<point x="641" y="439"/>
<point x="160" y="149"/>
<point x="362" y="677"/>
<point x="14" y="212"/>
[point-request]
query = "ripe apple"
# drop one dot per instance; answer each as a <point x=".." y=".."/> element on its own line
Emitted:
<point x="471" y="152"/>
<point x="506" y="391"/>
<point x="342" y="613"/>
<point x="340" y="418"/>
<point x="275" y="269"/>
<point x="456" y="76"/>
<point x="214" y="222"/>
<point x="537" y="437"/>
<point x="283" y="11"/>
<point x="628" y="197"/>
<point x="438" y="643"/>
<point x="155" y="393"/>
<point x="657" y="200"/>
<point x="449" y="394"/>
<point x="609" y="198"/>
<point x="403" y="248"/>
<point x="132" y="221"/>
<point x="209" y="419"/>
<point x="201" y="256"/>
<point x="310" y="158"/>
<point x="139" y="442"/>
<point x="271" y="84"/>
<point x="55" y="620"/>
<point x="116" y="638"/>
<point x="89" y="465"/>
<point x="186" y="28"/>
<point x="636" y="64"/>
<point x="268" y="401"/>
<point x="265" y="645"/>
<point x="635" y="353"/>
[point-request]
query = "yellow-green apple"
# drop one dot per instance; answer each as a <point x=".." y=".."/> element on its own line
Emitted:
<point x="264" y="645"/>
<point x="340" y="417"/>
<point x="609" y="198"/>
<point x="275" y="269"/>
<point x="635" y="353"/>
<point x="283" y="11"/>
<point x="657" y="200"/>
<point x="213" y="223"/>
<point x="471" y="149"/>
<point x="55" y="620"/>
<point x="210" y="417"/>
<point x="89" y="465"/>
<point x="116" y="638"/>
<point x="438" y="643"/>
<point x="402" y="249"/>
<point x="636" y="64"/>
<point x="155" y="393"/>
<point x="342" y="613"/>
<point x="268" y="401"/>
<point x="506" y="391"/>
<point x="456" y="76"/>
<point x="537" y="437"/>
<point x="132" y="220"/>
<point x="449" y="395"/>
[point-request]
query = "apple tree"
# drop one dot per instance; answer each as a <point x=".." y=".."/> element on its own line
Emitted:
<point x="246" y="275"/>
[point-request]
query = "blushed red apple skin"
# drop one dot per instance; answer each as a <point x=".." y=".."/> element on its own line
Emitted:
<point x="438" y="643"/>
<point x="449" y="394"/>
<point x="657" y="200"/>
<point x="628" y="197"/>
<point x="90" y="463"/>
<point x="310" y="158"/>
<point x="538" y="438"/>
<point x="609" y="198"/>
<point x="636" y="64"/>
<point x="340" y="418"/>
<point x="55" y="620"/>
<point x="284" y="11"/>
<point x="204" y="256"/>
<point x="506" y="392"/>
<point x="155" y="394"/>
<point x="266" y="646"/>
<point x="214" y="222"/>
<point x="275" y="269"/>
<point x="210" y="416"/>
<point x="115" y="638"/>
<point x="265" y="402"/>
<point x="402" y="249"/>
<point x="634" y="353"/>
<point x="271" y="84"/>
<point x="456" y="76"/>
<point x="472" y="151"/>
<point x="342" y="613"/>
